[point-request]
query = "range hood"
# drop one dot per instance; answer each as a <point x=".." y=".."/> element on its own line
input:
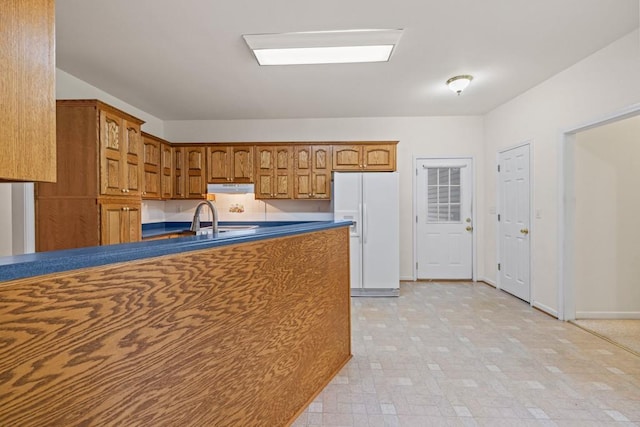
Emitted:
<point x="230" y="188"/>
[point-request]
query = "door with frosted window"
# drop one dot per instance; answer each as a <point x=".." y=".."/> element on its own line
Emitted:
<point x="444" y="220"/>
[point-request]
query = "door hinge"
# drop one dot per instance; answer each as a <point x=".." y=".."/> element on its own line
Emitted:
<point x="416" y="265"/>
<point x="498" y="168"/>
<point x="416" y="219"/>
<point x="498" y="217"/>
<point x="416" y="172"/>
<point x="498" y="266"/>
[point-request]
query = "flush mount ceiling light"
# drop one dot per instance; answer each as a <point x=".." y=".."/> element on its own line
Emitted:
<point x="323" y="47"/>
<point x="459" y="83"/>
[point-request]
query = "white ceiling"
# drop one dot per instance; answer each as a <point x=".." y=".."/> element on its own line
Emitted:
<point x="186" y="60"/>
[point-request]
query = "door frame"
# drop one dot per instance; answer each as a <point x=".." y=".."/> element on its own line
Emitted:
<point x="566" y="207"/>
<point x="414" y="218"/>
<point x="532" y="233"/>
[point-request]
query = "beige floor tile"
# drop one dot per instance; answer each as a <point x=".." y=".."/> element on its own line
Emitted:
<point x="462" y="354"/>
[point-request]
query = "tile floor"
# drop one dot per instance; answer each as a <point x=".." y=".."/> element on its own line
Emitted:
<point x="466" y="354"/>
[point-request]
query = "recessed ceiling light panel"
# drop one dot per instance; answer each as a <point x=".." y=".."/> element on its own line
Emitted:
<point x="327" y="47"/>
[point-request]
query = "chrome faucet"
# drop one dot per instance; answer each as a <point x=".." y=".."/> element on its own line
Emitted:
<point x="195" y="224"/>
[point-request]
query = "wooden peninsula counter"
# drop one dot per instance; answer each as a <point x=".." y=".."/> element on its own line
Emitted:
<point x="240" y="330"/>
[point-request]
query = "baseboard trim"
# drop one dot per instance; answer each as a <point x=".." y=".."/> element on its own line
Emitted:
<point x="407" y="279"/>
<point x="488" y="282"/>
<point x="548" y="310"/>
<point x="607" y="315"/>
<point x="369" y="292"/>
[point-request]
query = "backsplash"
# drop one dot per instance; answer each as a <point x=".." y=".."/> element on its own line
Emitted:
<point x="238" y="207"/>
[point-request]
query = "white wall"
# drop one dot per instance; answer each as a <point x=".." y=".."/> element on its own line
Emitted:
<point x="607" y="208"/>
<point x="599" y="85"/>
<point x="6" y="223"/>
<point x="418" y="136"/>
<point x="70" y="87"/>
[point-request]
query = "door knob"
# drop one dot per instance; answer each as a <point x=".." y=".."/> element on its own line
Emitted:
<point x="525" y="231"/>
<point x="469" y="228"/>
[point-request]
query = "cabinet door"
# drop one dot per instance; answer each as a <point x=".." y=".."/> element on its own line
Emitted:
<point x="132" y="227"/>
<point x="302" y="175"/>
<point x="132" y="160"/>
<point x="218" y="164"/>
<point x="265" y="163"/>
<point x="111" y="220"/>
<point x="179" y="173"/>
<point x="321" y="173"/>
<point x="111" y="161"/>
<point x="283" y="172"/>
<point x="274" y="171"/>
<point x="120" y="223"/>
<point x="151" y="154"/>
<point x="242" y="164"/>
<point x="379" y="157"/>
<point x="166" y="163"/>
<point x="196" y="180"/>
<point x="347" y="157"/>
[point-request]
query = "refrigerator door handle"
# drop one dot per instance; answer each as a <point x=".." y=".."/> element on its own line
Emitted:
<point x="365" y="223"/>
<point x="359" y="225"/>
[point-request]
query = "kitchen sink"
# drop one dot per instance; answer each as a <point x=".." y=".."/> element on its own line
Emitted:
<point x="225" y="229"/>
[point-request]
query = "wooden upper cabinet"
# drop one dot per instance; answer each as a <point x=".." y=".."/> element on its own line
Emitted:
<point x="179" y="173"/>
<point x="195" y="172"/>
<point x="27" y="91"/>
<point x="120" y="167"/>
<point x="111" y="178"/>
<point x="312" y="175"/>
<point x="151" y="167"/>
<point x="167" y="170"/>
<point x="229" y="164"/>
<point x="274" y="172"/>
<point x="364" y="157"/>
<point x="379" y="157"/>
<point x="133" y="159"/>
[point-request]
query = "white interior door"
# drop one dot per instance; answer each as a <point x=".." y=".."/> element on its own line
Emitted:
<point x="444" y="220"/>
<point x="513" y="226"/>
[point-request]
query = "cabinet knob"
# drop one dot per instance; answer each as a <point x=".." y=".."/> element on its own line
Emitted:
<point x="124" y="190"/>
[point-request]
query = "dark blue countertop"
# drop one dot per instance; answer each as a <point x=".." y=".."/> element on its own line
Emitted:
<point x="29" y="265"/>
<point x="163" y="228"/>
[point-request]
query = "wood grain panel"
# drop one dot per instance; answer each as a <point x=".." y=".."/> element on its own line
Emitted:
<point x="242" y="335"/>
<point x="27" y="91"/>
<point x="66" y="223"/>
<point x="77" y="154"/>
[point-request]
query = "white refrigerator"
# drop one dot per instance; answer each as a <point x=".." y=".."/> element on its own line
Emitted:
<point x="371" y="201"/>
